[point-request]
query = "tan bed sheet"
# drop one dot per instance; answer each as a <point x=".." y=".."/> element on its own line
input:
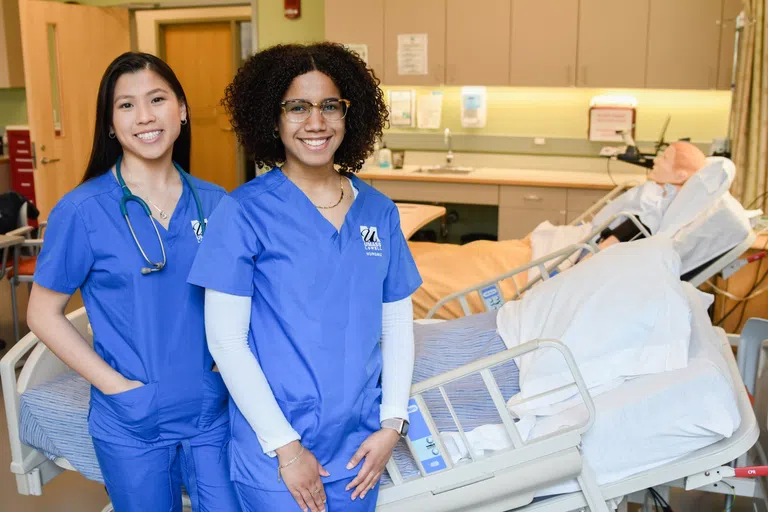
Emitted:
<point x="449" y="268"/>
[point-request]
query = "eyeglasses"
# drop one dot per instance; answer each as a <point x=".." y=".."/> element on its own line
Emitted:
<point x="298" y="111"/>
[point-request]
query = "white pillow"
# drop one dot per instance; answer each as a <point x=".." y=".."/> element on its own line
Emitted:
<point x="622" y="313"/>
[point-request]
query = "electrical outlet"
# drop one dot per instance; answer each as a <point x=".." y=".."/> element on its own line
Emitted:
<point x="609" y="151"/>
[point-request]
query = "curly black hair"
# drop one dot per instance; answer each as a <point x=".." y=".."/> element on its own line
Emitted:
<point x="253" y="100"/>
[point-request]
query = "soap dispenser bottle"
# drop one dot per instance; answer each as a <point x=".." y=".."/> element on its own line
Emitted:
<point x="385" y="157"/>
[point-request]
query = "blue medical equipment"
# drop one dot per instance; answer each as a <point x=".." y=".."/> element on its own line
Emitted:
<point x="128" y="196"/>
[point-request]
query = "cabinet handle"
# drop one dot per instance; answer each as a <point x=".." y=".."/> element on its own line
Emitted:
<point x="531" y="197"/>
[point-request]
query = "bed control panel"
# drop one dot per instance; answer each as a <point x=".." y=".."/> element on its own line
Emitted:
<point x="424" y="446"/>
<point x="491" y="298"/>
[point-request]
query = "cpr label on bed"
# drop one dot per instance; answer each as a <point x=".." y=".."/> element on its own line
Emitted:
<point x="422" y="441"/>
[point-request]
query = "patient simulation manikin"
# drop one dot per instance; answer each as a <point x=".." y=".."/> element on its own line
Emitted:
<point x="671" y="170"/>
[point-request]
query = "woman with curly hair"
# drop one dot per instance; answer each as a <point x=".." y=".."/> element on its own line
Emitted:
<point x="308" y="281"/>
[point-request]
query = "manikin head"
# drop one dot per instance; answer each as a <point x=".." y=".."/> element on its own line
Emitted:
<point x="677" y="163"/>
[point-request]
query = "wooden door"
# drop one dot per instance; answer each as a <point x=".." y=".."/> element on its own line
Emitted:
<point x="613" y="43"/>
<point x="202" y="56"/>
<point x="409" y="17"/>
<point x="63" y="65"/>
<point x="683" y="44"/>
<point x="731" y="9"/>
<point x="356" y="22"/>
<point x="544" y="38"/>
<point x="477" y="44"/>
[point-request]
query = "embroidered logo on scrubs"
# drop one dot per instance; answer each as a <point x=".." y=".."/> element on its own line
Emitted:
<point x="371" y="240"/>
<point x="197" y="228"/>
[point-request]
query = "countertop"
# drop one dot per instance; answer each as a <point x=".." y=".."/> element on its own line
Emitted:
<point x="518" y="177"/>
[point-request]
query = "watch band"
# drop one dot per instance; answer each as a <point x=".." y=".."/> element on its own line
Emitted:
<point x="399" y="425"/>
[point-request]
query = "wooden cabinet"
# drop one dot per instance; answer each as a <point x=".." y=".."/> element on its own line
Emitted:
<point x="420" y="17"/>
<point x="613" y="40"/>
<point x="731" y="9"/>
<point x="543" y="42"/>
<point x="683" y="44"/>
<point x="11" y="61"/>
<point x="521" y="209"/>
<point x="356" y="22"/>
<point x="477" y="46"/>
<point x="516" y="223"/>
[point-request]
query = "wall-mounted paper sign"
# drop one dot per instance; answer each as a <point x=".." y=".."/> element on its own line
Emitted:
<point x="402" y="108"/>
<point x="609" y="116"/>
<point x="430" y="110"/>
<point x="412" y="54"/>
<point x="360" y="49"/>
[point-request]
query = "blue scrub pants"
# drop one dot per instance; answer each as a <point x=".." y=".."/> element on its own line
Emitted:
<point x="337" y="499"/>
<point x="149" y="479"/>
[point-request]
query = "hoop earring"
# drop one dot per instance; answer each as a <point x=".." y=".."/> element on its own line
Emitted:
<point x="183" y="122"/>
<point x="276" y="134"/>
<point x="111" y="134"/>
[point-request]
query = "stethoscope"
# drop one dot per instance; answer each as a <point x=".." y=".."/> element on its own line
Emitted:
<point x="128" y="196"/>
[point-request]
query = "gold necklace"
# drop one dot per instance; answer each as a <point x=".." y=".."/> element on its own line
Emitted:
<point x="163" y="214"/>
<point x="341" y="186"/>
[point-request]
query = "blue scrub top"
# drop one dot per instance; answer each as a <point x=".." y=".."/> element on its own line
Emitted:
<point x="316" y="312"/>
<point x="149" y="328"/>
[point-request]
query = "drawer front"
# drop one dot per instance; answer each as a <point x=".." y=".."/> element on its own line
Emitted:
<point x="18" y="151"/>
<point x="516" y="223"/>
<point x="21" y="164"/>
<point x="579" y="199"/>
<point x="460" y="193"/>
<point x="25" y="185"/>
<point x="534" y="198"/>
<point x="18" y="140"/>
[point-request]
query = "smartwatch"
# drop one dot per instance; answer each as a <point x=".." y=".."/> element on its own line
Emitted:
<point x="399" y="425"/>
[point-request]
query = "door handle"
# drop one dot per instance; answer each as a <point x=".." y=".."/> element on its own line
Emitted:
<point x="45" y="160"/>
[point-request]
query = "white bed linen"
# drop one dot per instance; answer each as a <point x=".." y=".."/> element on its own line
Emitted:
<point x="622" y="313"/>
<point x="647" y="421"/>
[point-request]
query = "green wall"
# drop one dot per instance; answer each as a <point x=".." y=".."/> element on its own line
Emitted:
<point x="13" y="107"/>
<point x="274" y="28"/>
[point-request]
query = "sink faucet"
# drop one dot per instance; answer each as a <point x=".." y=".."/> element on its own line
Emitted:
<point x="449" y="141"/>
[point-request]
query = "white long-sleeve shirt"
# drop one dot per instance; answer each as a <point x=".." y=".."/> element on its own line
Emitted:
<point x="227" y="323"/>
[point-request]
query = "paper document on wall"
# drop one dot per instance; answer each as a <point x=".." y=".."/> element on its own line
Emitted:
<point x="360" y="49"/>
<point x="401" y="108"/>
<point x="412" y="54"/>
<point x="429" y="110"/>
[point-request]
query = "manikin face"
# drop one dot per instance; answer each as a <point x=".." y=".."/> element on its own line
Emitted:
<point x="311" y="142"/>
<point x="664" y="169"/>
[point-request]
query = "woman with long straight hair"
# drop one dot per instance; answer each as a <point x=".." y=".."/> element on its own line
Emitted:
<point x="126" y="238"/>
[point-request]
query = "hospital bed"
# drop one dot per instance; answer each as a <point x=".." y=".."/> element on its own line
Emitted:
<point x="521" y="477"/>
<point x="46" y="405"/>
<point x="727" y="220"/>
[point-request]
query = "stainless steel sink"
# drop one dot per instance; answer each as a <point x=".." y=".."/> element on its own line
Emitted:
<point x="446" y="169"/>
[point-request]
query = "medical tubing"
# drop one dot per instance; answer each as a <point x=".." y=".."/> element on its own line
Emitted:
<point x="281" y="467"/>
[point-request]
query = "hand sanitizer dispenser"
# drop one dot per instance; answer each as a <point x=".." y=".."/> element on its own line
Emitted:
<point x="473" y="107"/>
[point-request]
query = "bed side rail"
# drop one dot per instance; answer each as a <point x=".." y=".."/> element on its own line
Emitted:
<point x="590" y="213"/>
<point x="490" y="290"/>
<point x="418" y="437"/>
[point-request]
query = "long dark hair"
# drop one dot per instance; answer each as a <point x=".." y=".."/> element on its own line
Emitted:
<point x="105" y="150"/>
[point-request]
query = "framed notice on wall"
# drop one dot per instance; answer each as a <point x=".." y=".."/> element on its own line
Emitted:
<point x="609" y="115"/>
<point x="606" y="123"/>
